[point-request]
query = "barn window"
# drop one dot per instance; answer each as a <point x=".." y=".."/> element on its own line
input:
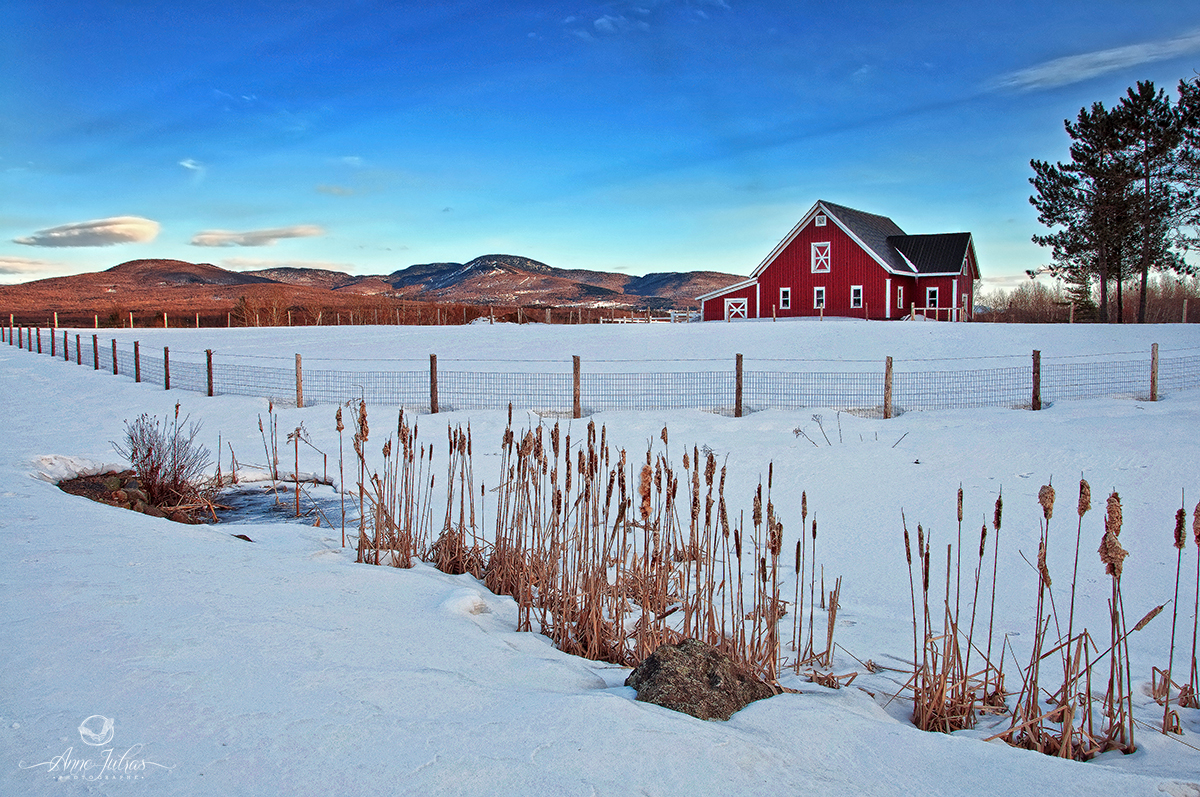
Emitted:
<point x="818" y="298"/>
<point x="785" y="298"/>
<point x="931" y="297"/>
<point x="900" y="297"/>
<point x="820" y="257"/>
<point x="820" y="220"/>
<point x="856" y="296"/>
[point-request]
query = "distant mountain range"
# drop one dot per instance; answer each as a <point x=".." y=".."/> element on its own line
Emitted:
<point x="141" y="286"/>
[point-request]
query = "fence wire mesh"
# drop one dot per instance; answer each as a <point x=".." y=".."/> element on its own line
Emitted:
<point x="859" y="392"/>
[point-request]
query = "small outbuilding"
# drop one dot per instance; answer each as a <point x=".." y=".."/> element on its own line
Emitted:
<point x="838" y="261"/>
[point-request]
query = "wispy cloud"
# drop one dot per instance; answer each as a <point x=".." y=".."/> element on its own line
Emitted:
<point x="254" y="237"/>
<point x="192" y="165"/>
<point x="1076" y="68"/>
<point x="335" y="190"/>
<point x="255" y="264"/>
<point x="98" y="232"/>
<point x="12" y="265"/>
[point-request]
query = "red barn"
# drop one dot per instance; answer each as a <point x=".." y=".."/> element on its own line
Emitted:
<point x="839" y="261"/>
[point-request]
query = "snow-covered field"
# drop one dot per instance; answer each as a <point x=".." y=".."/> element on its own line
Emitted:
<point x="283" y="667"/>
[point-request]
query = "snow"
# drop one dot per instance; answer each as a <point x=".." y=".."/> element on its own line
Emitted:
<point x="280" y="666"/>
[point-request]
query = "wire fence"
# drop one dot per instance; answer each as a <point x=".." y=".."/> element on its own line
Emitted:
<point x="870" y="392"/>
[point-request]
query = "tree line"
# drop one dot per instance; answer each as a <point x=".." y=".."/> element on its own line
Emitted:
<point x="1128" y="200"/>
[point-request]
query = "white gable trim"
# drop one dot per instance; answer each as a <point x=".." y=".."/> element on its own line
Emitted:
<point x="737" y="286"/>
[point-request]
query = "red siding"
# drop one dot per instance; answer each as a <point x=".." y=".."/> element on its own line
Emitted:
<point x="714" y="309"/>
<point x="850" y="265"/>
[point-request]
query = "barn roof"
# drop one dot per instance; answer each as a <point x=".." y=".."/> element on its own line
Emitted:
<point x="941" y="253"/>
<point x="875" y="232"/>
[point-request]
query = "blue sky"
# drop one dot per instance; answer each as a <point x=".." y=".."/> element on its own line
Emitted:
<point x="660" y="135"/>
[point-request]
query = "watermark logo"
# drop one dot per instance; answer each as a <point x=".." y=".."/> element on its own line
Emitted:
<point x="100" y="760"/>
<point x="96" y="730"/>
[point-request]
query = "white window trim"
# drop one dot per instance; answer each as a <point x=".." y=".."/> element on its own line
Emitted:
<point x="932" y="291"/>
<point x="827" y="258"/>
<point x="785" y="298"/>
<point x="856" y="305"/>
<point x="900" y="298"/>
<point x="820" y="220"/>
<point x="818" y="297"/>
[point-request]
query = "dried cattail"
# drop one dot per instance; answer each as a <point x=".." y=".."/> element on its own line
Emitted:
<point x="770" y="474"/>
<point x="724" y="517"/>
<point x="1085" y="497"/>
<point x="1180" y="528"/>
<point x="658" y="476"/>
<point x="612" y="479"/>
<point x="387" y="448"/>
<point x="664" y="435"/>
<point x="982" y="539"/>
<point x="1112" y="515"/>
<point x="798" y="555"/>
<point x="737" y="542"/>
<point x="686" y="462"/>
<point x="920" y="538"/>
<point x="803" y="505"/>
<point x="1046" y="499"/>
<point x="907" y="547"/>
<point x="554" y="439"/>
<point x="644" y="492"/>
<point x="814" y="528"/>
<point x="1112" y="554"/>
<point x="1150" y="615"/>
<point x="777" y="539"/>
<point x="757" y="516"/>
<point x="1196" y="524"/>
<point x="925" y="574"/>
<point x="762" y="569"/>
<point x="1042" y="569"/>
<point x="960" y="497"/>
<point x="340" y="426"/>
<point x="998" y="512"/>
<point x="710" y="470"/>
<point x="364" y="430"/>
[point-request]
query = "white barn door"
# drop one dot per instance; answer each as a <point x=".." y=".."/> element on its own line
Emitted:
<point x="735" y="308"/>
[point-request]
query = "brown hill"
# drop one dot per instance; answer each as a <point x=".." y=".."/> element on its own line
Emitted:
<point x="148" y="288"/>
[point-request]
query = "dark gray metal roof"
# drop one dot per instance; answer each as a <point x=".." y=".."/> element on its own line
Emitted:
<point x="942" y="253"/>
<point x="875" y="232"/>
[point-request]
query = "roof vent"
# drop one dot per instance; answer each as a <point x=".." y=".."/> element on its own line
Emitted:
<point x="820" y="219"/>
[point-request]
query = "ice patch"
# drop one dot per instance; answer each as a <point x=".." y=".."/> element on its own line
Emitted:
<point x="465" y="601"/>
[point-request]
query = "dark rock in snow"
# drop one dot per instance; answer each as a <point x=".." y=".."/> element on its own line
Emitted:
<point x="696" y="679"/>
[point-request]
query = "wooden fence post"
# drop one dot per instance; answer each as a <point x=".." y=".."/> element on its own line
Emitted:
<point x="166" y="368"/>
<point x="56" y="319"/>
<point x="1154" y="372"/>
<point x="737" y="389"/>
<point x="39" y="339"/>
<point x="53" y="344"/>
<point x="577" y="406"/>
<point x="887" y="389"/>
<point x="114" y="341"/>
<point x="208" y="356"/>
<point x="1184" y="310"/>
<point x="299" y="384"/>
<point x="433" y="396"/>
<point x="95" y="352"/>
<point x="78" y="350"/>
<point x="137" y="363"/>
<point x="1036" y="402"/>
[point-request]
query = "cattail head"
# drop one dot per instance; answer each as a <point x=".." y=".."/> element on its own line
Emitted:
<point x="797" y="555"/>
<point x="1085" y="497"/>
<point x="762" y="569"/>
<point x="770" y="474"/>
<point x="387" y="448"/>
<point x="960" y="497"/>
<point x="999" y="511"/>
<point x="737" y="542"/>
<point x="982" y="539"/>
<point x="687" y="463"/>
<point x="1196" y="524"/>
<point x="664" y="435"/>
<point x="804" y="505"/>
<point x="338" y="416"/>
<point x="1112" y="515"/>
<point x="1180" y="531"/>
<point x="710" y="470"/>
<point x="644" y="492"/>
<point x="777" y="538"/>
<point x="920" y="538"/>
<point x="907" y="547"/>
<point x="363" y="429"/>
<point x="1112" y="554"/>
<point x="758" y="507"/>
<point x="1042" y="569"/>
<point x="814" y="529"/>
<point x="1046" y="499"/>
<point x="554" y="439"/>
